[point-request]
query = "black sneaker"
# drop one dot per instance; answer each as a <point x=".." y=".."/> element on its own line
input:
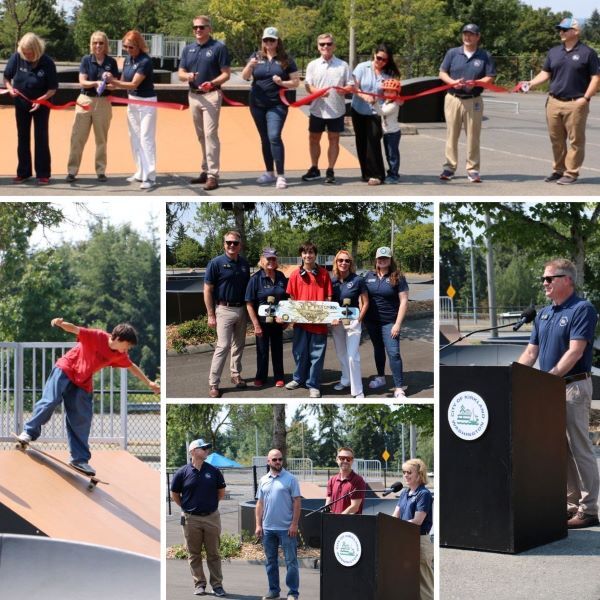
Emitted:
<point x="70" y="178"/>
<point x="102" y="178"/>
<point x="202" y="178"/>
<point x="84" y="467"/>
<point x="446" y="175"/>
<point x="553" y="177"/>
<point x="566" y="180"/>
<point x="329" y="176"/>
<point x="312" y="174"/>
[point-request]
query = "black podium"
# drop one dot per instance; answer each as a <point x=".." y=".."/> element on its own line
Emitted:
<point x="388" y="567"/>
<point x="506" y="490"/>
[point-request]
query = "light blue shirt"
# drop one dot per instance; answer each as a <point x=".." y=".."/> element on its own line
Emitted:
<point x="368" y="81"/>
<point x="277" y="493"/>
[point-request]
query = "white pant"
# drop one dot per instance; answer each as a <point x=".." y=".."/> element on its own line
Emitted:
<point x="347" y="347"/>
<point x="142" y="135"/>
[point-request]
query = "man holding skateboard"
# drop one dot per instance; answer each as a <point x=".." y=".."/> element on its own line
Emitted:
<point x="309" y="282"/>
<point x="71" y="382"/>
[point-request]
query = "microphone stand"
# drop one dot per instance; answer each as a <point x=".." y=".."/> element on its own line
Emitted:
<point x="327" y="507"/>
<point x="462" y="337"/>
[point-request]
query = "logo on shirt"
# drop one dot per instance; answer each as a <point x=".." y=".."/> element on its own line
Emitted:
<point x="468" y="415"/>
<point x="575" y="57"/>
<point x="208" y="476"/>
<point x="41" y="73"/>
<point x="373" y="280"/>
<point x="563" y="321"/>
<point x="477" y="63"/>
<point x="349" y="285"/>
<point x="209" y="53"/>
<point x="347" y="549"/>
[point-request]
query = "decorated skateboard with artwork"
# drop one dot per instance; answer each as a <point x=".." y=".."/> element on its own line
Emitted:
<point x="93" y="480"/>
<point x="301" y="311"/>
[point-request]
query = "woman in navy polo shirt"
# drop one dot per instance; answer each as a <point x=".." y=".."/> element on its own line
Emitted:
<point x="388" y="302"/>
<point x="137" y="80"/>
<point x="415" y="505"/>
<point x="93" y="108"/>
<point x="270" y="70"/>
<point x="347" y="284"/>
<point x="267" y="281"/>
<point x="33" y="74"/>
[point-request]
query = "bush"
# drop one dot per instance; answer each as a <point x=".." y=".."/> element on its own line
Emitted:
<point x="230" y="546"/>
<point x="192" y="333"/>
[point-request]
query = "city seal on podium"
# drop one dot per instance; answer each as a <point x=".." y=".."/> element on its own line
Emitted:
<point x="468" y="415"/>
<point x="347" y="549"/>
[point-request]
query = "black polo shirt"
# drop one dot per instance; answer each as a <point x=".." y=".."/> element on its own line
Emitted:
<point x="142" y="64"/>
<point x="95" y="70"/>
<point x="261" y="286"/>
<point x="198" y="488"/>
<point x="206" y="60"/>
<point x="571" y="70"/>
<point x="31" y="79"/>
<point x="230" y="278"/>
<point x="352" y="287"/>
<point x="459" y="66"/>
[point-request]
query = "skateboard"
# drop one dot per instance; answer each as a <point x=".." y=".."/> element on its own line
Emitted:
<point x="94" y="481"/>
<point x="300" y="311"/>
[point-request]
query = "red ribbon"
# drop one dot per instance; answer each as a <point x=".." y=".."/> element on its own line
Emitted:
<point x="171" y="105"/>
<point x="45" y="103"/>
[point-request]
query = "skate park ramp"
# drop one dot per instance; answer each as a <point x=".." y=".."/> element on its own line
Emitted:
<point x="35" y="567"/>
<point x="41" y="497"/>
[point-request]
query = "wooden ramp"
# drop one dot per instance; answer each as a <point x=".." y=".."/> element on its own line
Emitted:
<point x="41" y="497"/>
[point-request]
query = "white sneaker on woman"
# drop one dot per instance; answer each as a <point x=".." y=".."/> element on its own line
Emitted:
<point x="399" y="393"/>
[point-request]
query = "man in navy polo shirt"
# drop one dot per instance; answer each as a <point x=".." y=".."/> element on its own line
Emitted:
<point x="463" y="105"/>
<point x="574" y="73"/>
<point x="198" y="488"/>
<point x="205" y="66"/>
<point x="225" y="285"/>
<point x="346" y="482"/>
<point x="562" y="338"/>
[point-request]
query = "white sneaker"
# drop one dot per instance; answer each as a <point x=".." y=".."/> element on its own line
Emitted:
<point x="338" y="387"/>
<point x="281" y="183"/>
<point x="399" y="393"/>
<point x="24" y="437"/>
<point x="314" y="393"/>
<point x="266" y="178"/>
<point x="133" y="179"/>
<point x="292" y="385"/>
<point x="377" y="382"/>
<point x="147" y="185"/>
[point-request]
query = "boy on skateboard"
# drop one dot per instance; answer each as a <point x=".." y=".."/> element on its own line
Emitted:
<point x="71" y="382"/>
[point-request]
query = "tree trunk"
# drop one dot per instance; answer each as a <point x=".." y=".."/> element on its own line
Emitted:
<point x="279" y="431"/>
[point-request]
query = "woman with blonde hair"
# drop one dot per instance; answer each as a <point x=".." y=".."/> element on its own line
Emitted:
<point x="348" y="285"/>
<point x="30" y="77"/>
<point x="137" y="80"/>
<point x="415" y="505"/>
<point x="93" y="108"/>
<point x="267" y="282"/>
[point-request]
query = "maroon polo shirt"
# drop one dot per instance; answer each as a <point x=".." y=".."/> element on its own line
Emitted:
<point x="338" y="487"/>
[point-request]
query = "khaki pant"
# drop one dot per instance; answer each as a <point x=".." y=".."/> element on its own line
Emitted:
<point x="98" y="117"/>
<point x="204" y="532"/>
<point x="566" y="121"/>
<point x="426" y="568"/>
<point x="231" y="335"/>
<point x="464" y="113"/>
<point x="205" y="113"/>
<point x="582" y="469"/>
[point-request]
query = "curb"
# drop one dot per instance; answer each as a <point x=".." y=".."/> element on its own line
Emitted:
<point x="303" y="563"/>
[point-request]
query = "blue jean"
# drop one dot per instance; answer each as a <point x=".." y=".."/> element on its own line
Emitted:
<point x="391" y="145"/>
<point x="79" y="410"/>
<point x="308" y="350"/>
<point x="383" y="342"/>
<point x="272" y="539"/>
<point x="269" y="122"/>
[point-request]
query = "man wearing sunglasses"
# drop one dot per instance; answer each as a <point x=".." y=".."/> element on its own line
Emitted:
<point x="328" y="111"/>
<point x="225" y="285"/>
<point x="463" y="105"/>
<point x="562" y="339"/>
<point x="277" y="514"/>
<point x="346" y="482"/>
<point x="574" y="73"/>
<point x="205" y="65"/>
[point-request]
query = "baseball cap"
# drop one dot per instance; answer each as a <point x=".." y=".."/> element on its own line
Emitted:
<point x="269" y="253"/>
<point x="568" y="23"/>
<point x="270" y="32"/>
<point x="383" y="251"/>
<point x="471" y="28"/>
<point x="200" y="443"/>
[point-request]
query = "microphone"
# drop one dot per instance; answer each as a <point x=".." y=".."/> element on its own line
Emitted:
<point x="394" y="488"/>
<point x="527" y="316"/>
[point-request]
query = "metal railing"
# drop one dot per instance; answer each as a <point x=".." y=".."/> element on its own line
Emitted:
<point x="369" y="470"/>
<point x="302" y="468"/>
<point x="446" y="308"/>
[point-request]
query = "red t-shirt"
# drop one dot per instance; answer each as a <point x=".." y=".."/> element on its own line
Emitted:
<point x="310" y="287"/>
<point x="338" y="487"/>
<point x="91" y="354"/>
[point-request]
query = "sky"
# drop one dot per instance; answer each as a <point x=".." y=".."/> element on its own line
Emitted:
<point x="578" y="8"/>
<point x="139" y="213"/>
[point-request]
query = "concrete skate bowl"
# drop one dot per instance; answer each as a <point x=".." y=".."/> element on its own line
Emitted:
<point x="481" y="355"/>
<point x="38" y="567"/>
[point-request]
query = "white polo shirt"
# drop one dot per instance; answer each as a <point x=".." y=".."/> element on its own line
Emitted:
<point x="320" y="74"/>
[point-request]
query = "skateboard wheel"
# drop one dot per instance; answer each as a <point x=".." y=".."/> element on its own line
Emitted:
<point x="285" y="317"/>
<point x="268" y="319"/>
<point x="271" y="299"/>
<point x="346" y="321"/>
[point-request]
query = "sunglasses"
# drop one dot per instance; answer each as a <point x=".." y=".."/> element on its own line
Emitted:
<point x="232" y="242"/>
<point x="200" y="27"/>
<point x="277" y="460"/>
<point x="344" y="260"/>
<point x="271" y="259"/>
<point x="269" y="40"/>
<point x="407" y="472"/>
<point x="99" y="44"/>
<point x="381" y="58"/>
<point x="127" y="47"/>
<point x="549" y="278"/>
<point x="345" y="458"/>
<point x="323" y="44"/>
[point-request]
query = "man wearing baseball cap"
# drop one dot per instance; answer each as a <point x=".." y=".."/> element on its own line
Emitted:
<point x="574" y="73"/>
<point x="463" y="106"/>
<point x="197" y="488"/>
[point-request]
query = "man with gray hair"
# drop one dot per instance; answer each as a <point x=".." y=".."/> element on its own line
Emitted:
<point x="328" y="111"/>
<point x="562" y="339"/>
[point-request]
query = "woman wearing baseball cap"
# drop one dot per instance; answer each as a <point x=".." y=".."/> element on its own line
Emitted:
<point x="388" y="302"/>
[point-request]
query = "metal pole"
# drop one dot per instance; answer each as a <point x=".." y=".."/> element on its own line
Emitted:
<point x="413" y="440"/>
<point x="474" y="297"/>
<point x="491" y="280"/>
<point x="123" y="399"/>
<point x="256" y="438"/>
<point x="352" y="40"/>
<point x="392" y="240"/>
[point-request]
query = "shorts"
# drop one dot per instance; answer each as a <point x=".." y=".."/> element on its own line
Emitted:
<point x="319" y="125"/>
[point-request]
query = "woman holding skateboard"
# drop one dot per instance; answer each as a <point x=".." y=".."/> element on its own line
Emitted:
<point x="388" y="302"/>
<point x="267" y="286"/>
<point x="349" y="290"/>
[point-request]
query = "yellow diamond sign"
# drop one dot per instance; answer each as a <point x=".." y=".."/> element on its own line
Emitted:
<point x="385" y="455"/>
<point x="451" y="291"/>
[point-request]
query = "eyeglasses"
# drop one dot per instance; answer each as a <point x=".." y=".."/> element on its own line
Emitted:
<point x="276" y="459"/>
<point x="381" y="58"/>
<point x="344" y="260"/>
<point x="549" y="278"/>
<point x="346" y="458"/>
<point x="200" y="27"/>
<point x="99" y="44"/>
<point x="127" y="47"/>
<point x="232" y="242"/>
<point x="271" y="259"/>
<point x="269" y="40"/>
<point x="323" y="44"/>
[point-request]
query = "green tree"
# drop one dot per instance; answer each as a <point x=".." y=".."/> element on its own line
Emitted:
<point x="591" y="28"/>
<point x="414" y="247"/>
